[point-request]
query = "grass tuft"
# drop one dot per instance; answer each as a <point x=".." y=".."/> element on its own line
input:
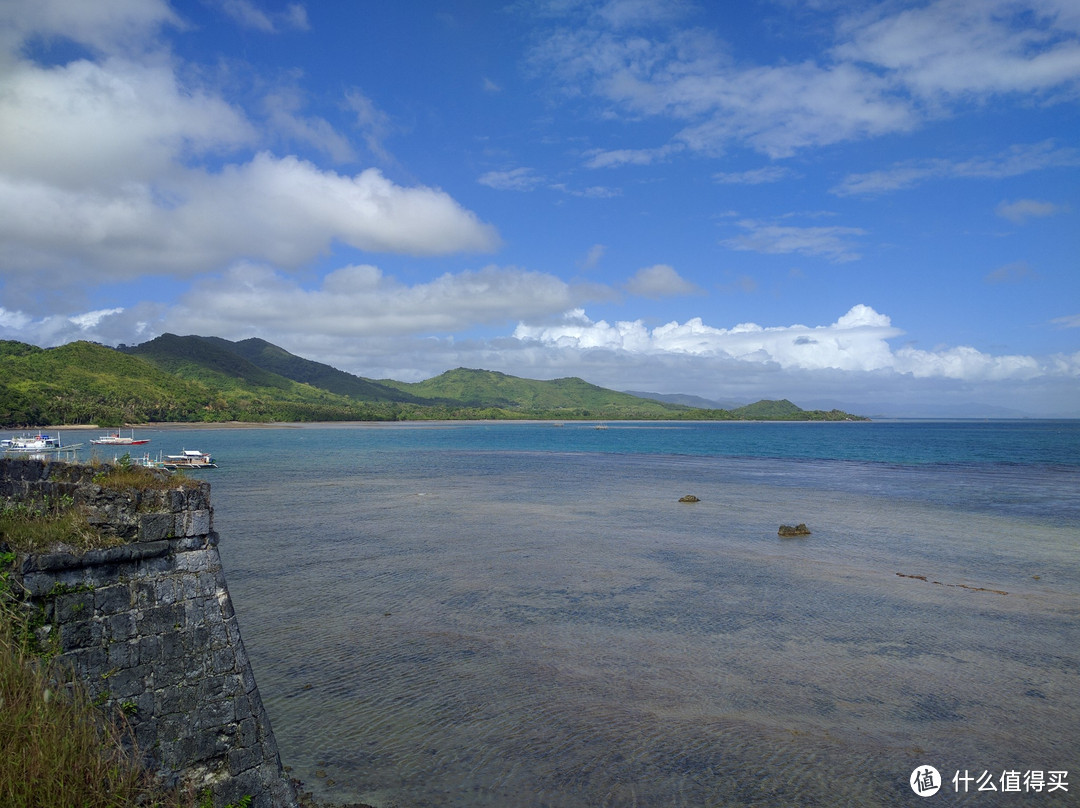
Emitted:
<point x="44" y="527"/>
<point x="56" y="749"/>
<point x="126" y="474"/>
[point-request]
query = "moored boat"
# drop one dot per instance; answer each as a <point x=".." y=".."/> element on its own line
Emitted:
<point x="39" y="443"/>
<point x="189" y="459"/>
<point x="116" y="439"/>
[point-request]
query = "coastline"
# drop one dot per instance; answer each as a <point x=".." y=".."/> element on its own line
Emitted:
<point x="442" y="422"/>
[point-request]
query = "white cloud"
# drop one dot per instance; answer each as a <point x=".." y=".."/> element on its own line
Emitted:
<point x="955" y="48"/>
<point x="360" y="301"/>
<point x="514" y="179"/>
<point x="659" y="280"/>
<point x="107" y="125"/>
<point x="857" y="342"/>
<point x="1021" y="210"/>
<point x="105" y="26"/>
<point x="283" y="109"/>
<point x="116" y="168"/>
<point x="1017" y="160"/>
<point x="754" y="176"/>
<point x="833" y="243"/>
<point x="593" y="256"/>
<point x="614" y="158"/>
<point x="249" y="15"/>
<point x="374" y="326"/>
<point x="285" y="211"/>
<point x="1016" y="272"/>
<point x="967" y="364"/>
<point x="887" y="70"/>
<point x="374" y="124"/>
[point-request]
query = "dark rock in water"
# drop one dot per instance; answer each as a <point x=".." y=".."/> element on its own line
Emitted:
<point x="788" y="531"/>
<point x="689" y="498"/>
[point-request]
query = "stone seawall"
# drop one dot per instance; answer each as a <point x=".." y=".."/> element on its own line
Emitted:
<point x="149" y="627"/>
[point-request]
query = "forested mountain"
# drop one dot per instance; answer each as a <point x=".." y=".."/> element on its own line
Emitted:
<point x="173" y="378"/>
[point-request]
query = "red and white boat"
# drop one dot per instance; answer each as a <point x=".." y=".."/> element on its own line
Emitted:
<point x="116" y="439"/>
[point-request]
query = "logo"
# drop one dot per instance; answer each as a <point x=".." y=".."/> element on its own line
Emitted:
<point x="925" y="781"/>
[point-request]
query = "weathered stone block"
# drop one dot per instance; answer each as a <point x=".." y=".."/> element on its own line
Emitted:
<point x="111" y="599"/>
<point x="243" y="758"/>
<point x="195" y="561"/>
<point x="74" y="606"/>
<point x="77" y="635"/>
<point x="193" y="523"/>
<point x="156" y="526"/>
<point x="120" y="628"/>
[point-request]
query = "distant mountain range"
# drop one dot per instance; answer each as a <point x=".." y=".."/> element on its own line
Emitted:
<point x="688" y="400"/>
<point x="207" y="379"/>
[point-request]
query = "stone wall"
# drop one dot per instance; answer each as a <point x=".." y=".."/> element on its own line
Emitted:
<point x="149" y="627"/>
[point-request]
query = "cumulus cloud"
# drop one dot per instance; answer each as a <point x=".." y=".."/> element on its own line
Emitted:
<point x="114" y="167"/>
<point x="108" y="125"/>
<point x="360" y="301"/>
<point x="857" y="342"/>
<point x="659" y="280"/>
<point x="282" y="210"/>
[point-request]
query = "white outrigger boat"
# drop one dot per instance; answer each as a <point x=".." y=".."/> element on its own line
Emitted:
<point x="38" y="444"/>
<point x="116" y="439"/>
<point x="188" y="459"/>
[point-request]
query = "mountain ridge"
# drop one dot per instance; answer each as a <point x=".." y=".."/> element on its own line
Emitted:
<point x="206" y="379"/>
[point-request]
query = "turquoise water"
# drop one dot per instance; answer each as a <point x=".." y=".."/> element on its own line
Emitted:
<point x="525" y="615"/>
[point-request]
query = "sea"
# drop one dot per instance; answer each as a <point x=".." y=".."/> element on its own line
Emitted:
<point x="526" y="615"/>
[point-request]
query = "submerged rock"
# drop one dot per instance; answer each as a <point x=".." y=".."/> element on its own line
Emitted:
<point x="787" y="531"/>
<point x="689" y="498"/>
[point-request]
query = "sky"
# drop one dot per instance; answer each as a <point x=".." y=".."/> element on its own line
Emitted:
<point x="869" y="206"/>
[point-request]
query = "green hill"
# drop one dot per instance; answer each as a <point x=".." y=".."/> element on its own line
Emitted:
<point x="173" y="378"/>
<point x="270" y="357"/>
<point x="568" y="397"/>
<point x="207" y="359"/>
<point x="83" y="382"/>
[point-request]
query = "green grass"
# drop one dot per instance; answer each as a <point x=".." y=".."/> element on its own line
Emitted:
<point x="56" y="749"/>
<point x="125" y="475"/>
<point x="43" y="527"/>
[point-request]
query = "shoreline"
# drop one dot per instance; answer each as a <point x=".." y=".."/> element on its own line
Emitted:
<point x="674" y="422"/>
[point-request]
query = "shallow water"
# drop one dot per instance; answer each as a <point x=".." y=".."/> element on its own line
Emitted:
<point x="523" y="615"/>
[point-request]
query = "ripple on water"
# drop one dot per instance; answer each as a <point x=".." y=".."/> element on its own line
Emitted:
<point x="569" y="641"/>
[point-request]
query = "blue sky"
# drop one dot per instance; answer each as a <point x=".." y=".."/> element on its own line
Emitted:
<point x="867" y="206"/>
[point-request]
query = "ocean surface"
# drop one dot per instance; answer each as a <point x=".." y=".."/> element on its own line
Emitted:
<point x="522" y="614"/>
